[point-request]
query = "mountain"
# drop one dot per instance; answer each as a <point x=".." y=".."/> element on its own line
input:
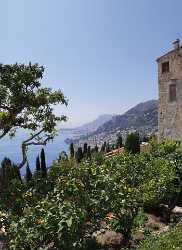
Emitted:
<point x="94" y="125"/>
<point x="142" y="118"/>
<point x="142" y="115"/>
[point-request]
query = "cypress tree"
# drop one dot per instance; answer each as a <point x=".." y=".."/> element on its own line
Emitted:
<point x="28" y="176"/>
<point x="132" y="143"/>
<point x="43" y="163"/>
<point x="9" y="172"/>
<point x="108" y="148"/>
<point x="38" y="164"/>
<point x="96" y="149"/>
<point x="103" y="148"/>
<point x="72" y="151"/>
<point x="89" y="156"/>
<point x="119" y="142"/>
<point x="85" y="148"/>
<point x="17" y="172"/>
<point x="79" y="154"/>
<point x="5" y="164"/>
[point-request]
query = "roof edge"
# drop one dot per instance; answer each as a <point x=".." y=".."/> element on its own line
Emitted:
<point x="171" y="51"/>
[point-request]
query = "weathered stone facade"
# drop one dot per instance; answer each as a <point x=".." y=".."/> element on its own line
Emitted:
<point x="170" y="93"/>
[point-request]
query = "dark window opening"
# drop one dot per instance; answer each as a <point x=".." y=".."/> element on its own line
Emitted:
<point x="165" y="67"/>
<point x="172" y="92"/>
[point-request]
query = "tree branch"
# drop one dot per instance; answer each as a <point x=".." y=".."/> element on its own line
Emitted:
<point x="40" y="142"/>
<point x="29" y="142"/>
<point x="33" y="136"/>
<point x="4" y="133"/>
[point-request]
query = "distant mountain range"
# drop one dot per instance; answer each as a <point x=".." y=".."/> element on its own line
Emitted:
<point x="143" y="115"/>
<point x="142" y="118"/>
<point x="94" y="125"/>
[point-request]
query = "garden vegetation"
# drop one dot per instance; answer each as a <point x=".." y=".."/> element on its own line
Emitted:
<point x="65" y="205"/>
<point x="63" y="209"/>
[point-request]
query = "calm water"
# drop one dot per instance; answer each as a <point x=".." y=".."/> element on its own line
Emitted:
<point x="11" y="148"/>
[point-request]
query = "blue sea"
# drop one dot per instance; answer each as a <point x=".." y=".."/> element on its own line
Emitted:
<point x="11" y="148"/>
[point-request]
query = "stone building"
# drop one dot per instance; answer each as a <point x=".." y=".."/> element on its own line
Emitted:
<point x="170" y="93"/>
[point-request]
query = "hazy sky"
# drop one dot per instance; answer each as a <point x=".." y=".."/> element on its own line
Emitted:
<point x="101" y="53"/>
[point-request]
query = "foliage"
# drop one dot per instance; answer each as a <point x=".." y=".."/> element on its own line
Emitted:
<point x="43" y="164"/>
<point x="103" y="147"/>
<point x="140" y="219"/>
<point x="50" y="224"/>
<point x="8" y="172"/>
<point x="12" y="199"/>
<point x="25" y="104"/>
<point x="38" y="164"/>
<point x="79" y="154"/>
<point x="108" y="148"/>
<point x="96" y="149"/>
<point x="119" y="142"/>
<point x="64" y="209"/>
<point x="98" y="158"/>
<point x="28" y="176"/>
<point x="166" y="147"/>
<point x="85" y="148"/>
<point x="89" y="156"/>
<point x="4" y="222"/>
<point x="132" y="143"/>
<point x="63" y="156"/>
<point x="167" y="241"/>
<point x="72" y="150"/>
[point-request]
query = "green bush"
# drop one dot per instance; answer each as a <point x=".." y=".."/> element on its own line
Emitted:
<point x="50" y="224"/>
<point x="82" y="194"/>
<point x="166" y="241"/>
<point x="132" y="143"/>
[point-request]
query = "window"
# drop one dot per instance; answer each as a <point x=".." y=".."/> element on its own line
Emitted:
<point x="172" y="92"/>
<point x="165" y="67"/>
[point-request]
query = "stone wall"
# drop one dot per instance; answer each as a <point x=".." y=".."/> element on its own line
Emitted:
<point x="170" y="113"/>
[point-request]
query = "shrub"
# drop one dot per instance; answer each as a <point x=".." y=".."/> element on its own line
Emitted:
<point x="51" y="224"/>
<point x="169" y="240"/>
<point x="132" y="143"/>
<point x="88" y="191"/>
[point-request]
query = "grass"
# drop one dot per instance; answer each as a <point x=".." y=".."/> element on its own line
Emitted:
<point x="171" y="240"/>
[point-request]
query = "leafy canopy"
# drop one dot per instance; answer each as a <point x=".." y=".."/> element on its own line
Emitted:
<point x="24" y="103"/>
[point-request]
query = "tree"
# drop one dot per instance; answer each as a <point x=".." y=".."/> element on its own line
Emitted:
<point x="108" y="149"/>
<point x="28" y="176"/>
<point x="89" y="153"/>
<point x="103" y="147"/>
<point x="8" y="172"/>
<point x="43" y="163"/>
<point x="85" y="148"/>
<point x="96" y="149"/>
<point x="72" y="150"/>
<point x="24" y="104"/>
<point x="38" y="164"/>
<point x="63" y="156"/>
<point x="119" y="142"/>
<point x="79" y="154"/>
<point x="132" y="143"/>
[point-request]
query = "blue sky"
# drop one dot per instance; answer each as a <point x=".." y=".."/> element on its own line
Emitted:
<point x="101" y="53"/>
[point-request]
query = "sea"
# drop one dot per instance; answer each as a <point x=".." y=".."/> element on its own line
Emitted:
<point x="11" y="148"/>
